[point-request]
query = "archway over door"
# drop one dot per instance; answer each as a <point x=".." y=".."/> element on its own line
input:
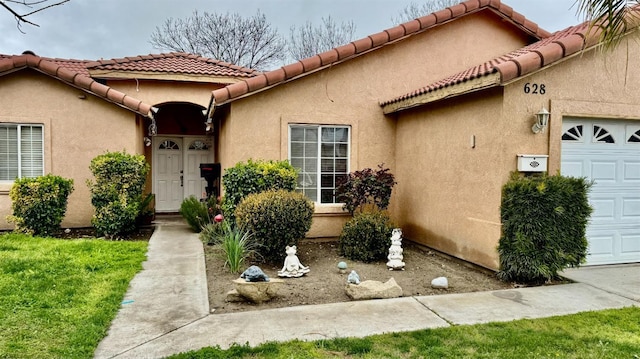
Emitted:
<point x="178" y="149"/>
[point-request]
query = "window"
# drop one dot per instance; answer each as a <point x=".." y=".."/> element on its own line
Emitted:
<point x="21" y="151"/>
<point x="321" y="155"/>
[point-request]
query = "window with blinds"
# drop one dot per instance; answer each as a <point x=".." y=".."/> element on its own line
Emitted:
<point x="321" y="155"/>
<point x="21" y="151"/>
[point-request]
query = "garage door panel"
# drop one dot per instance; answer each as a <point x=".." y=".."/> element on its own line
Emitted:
<point x="630" y="244"/>
<point x="603" y="171"/>
<point x="631" y="171"/>
<point x="613" y="164"/>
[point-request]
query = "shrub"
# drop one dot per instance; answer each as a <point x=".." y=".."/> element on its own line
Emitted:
<point x="365" y="237"/>
<point x="255" y="177"/>
<point x="116" y="193"/>
<point x="196" y="213"/>
<point x="39" y="204"/>
<point x="276" y="219"/>
<point x="544" y="223"/>
<point x="366" y="187"/>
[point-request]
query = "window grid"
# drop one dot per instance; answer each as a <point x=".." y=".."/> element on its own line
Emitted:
<point x="21" y="151"/>
<point x="321" y="155"/>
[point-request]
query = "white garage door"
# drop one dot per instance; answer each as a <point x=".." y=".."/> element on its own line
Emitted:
<point x="608" y="153"/>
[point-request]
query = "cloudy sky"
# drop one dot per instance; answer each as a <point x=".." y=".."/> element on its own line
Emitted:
<point x="93" y="29"/>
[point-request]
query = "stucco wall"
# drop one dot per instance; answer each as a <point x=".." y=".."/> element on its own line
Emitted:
<point x="349" y="94"/>
<point x="156" y="92"/>
<point x="449" y="193"/>
<point x="76" y="130"/>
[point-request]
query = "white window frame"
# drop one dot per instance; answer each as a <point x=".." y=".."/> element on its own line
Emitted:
<point x="19" y="127"/>
<point x="319" y="157"/>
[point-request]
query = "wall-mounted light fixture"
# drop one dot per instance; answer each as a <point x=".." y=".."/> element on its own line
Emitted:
<point x="147" y="141"/>
<point x="153" y="127"/>
<point x="542" y="120"/>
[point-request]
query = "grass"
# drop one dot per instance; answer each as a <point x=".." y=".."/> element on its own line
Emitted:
<point x="603" y="334"/>
<point x="58" y="297"/>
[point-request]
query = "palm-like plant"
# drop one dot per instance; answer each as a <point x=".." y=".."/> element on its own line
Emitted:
<point x="613" y="18"/>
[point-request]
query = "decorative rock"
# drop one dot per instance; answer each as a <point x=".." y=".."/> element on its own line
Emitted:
<point x="292" y="267"/>
<point x="342" y="267"/>
<point x="353" y="278"/>
<point x="440" y="283"/>
<point x="254" y="274"/>
<point x="233" y="297"/>
<point x="371" y="289"/>
<point x="258" y="292"/>
<point x="395" y="250"/>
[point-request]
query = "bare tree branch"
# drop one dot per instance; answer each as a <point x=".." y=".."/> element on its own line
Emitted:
<point x="249" y="42"/>
<point x="308" y="40"/>
<point x="21" y="18"/>
<point x="414" y="11"/>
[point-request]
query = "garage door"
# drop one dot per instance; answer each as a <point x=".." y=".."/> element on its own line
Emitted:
<point x="608" y="153"/>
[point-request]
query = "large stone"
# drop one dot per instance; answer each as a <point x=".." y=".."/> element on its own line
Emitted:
<point x="440" y="283"/>
<point x="371" y="289"/>
<point x="234" y="297"/>
<point x="258" y="292"/>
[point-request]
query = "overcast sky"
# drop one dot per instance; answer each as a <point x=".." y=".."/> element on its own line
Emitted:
<point x="94" y="29"/>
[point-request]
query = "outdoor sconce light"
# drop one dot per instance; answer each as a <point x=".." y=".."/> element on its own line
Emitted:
<point x="542" y="120"/>
<point x="209" y="125"/>
<point x="147" y="141"/>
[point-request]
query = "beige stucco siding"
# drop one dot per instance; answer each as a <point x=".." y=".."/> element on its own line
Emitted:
<point x="76" y="130"/>
<point x="156" y="92"/>
<point x="349" y="94"/>
<point x="449" y="193"/>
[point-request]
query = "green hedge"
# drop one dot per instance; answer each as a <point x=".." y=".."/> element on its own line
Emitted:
<point x="116" y="193"/>
<point x="276" y="219"/>
<point x="39" y="204"/>
<point x="544" y="222"/>
<point x="255" y="177"/>
<point x="366" y="237"/>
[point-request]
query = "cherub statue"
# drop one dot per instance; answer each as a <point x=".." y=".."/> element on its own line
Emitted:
<point x="395" y="250"/>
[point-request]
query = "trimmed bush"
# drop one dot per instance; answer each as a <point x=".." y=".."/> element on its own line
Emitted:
<point x="196" y="213"/>
<point x="255" y="177"/>
<point x="277" y="219"/>
<point x="544" y="222"/>
<point x="366" y="237"/>
<point x="116" y="193"/>
<point x="39" y="204"/>
<point x="364" y="187"/>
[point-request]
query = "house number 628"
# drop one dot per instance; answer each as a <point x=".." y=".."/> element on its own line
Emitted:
<point x="534" y="89"/>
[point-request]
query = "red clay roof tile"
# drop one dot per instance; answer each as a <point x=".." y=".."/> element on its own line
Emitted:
<point x="312" y="62"/>
<point x="175" y="62"/>
<point x="348" y="51"/>
<point x="63" y="70"/>
<point x="519" y="62"/>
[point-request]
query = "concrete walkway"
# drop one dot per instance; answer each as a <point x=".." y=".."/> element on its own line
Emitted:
<point x="165" y="310"/>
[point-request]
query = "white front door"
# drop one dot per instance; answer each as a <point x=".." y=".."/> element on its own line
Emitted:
<point x="176" y="169"/>
<point x="167" y="170"/>
<point x="197" y="151"/>
<point x="607" y="152"/>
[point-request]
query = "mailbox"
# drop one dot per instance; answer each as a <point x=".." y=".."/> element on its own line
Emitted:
<point x="532" y="163"/>
<point x="211" y="173"/>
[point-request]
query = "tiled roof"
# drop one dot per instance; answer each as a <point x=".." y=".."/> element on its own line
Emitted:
<point x="63" y="70"/>
<point x="372" y="42"/>
<point x="519" y="62"/>
<point x="175" y="62"/>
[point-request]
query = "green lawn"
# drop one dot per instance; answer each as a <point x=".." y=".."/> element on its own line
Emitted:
<point x="58" y="297"/>
<point x="607" y="334"/>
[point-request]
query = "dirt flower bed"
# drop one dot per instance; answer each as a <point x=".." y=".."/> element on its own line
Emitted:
<point x="325" y="284"/>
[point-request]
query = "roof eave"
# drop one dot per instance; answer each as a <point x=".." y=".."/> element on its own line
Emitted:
<point x="163" y="76"/>
<point x="466" y="87"/>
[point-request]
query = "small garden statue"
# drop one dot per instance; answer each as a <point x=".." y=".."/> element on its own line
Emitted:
<point x="395" y="251"/>
<point x="254" y="274"/>
<point x="353" y="278"/>
<point x="292" y="267"/>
